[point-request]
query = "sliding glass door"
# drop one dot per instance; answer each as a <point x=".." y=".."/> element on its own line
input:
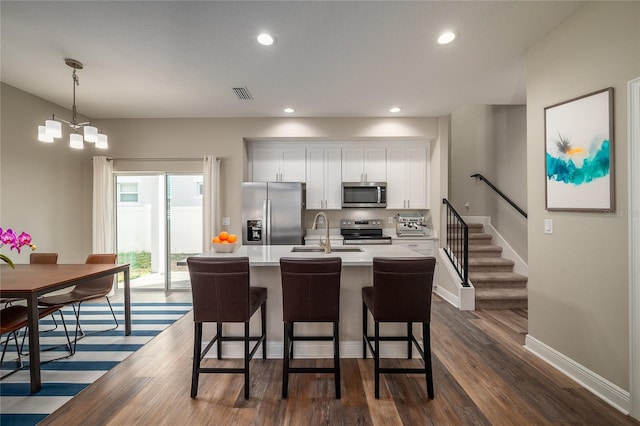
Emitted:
<point x="159" y="224"/>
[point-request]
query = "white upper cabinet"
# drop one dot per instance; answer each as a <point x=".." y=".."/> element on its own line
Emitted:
<point x="278" y="164"/>
<point x="404" y="165"/>
<point x="407" y="178"/>
<point x="324" y="180"/>
<point x="364" y="165"/>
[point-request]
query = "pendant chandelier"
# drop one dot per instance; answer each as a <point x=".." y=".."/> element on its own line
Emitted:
<point x="53" y="128"/>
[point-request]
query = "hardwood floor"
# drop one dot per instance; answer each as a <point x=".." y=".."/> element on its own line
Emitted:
<point x="482" y="376"/>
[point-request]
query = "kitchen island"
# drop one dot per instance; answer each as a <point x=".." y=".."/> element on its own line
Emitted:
<point x="356" y="273"/>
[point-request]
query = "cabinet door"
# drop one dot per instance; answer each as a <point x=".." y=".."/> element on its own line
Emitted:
<point x="293" y="165"/>
<point x="353" y="165"/>
<point x="416" y="161"/>
<point x="324" y="181"/>
<point x="407" y="178"/>
<point x="396" y="179"/>
<point x="375" y="165"/>
<point x="315" y="178"/>
<point x="364" y="165"/>
<point x="333" y="178"/>
<point x="265" y="164"/>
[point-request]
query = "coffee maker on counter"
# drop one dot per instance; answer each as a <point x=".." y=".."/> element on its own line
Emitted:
<point x="412" y="225"/>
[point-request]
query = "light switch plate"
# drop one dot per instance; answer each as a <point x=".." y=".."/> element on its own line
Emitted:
<point x="548" y="226"/>
<point x="226" y="221"/>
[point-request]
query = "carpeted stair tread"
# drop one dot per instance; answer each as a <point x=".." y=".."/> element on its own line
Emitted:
<point x="501" y="294"/>
<point x="490" y="264"/>
<point x="497" y="277"/>
<point x="484" y="250"/>
<point x="501" y="299"/>
<point x="490" y="261"/>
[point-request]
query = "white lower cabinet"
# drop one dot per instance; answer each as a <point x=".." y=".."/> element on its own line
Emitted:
<point x="420" y="246"/>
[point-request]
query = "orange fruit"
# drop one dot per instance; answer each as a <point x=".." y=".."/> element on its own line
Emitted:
<point x="215" y="240"/>
<point x="223" y="235"/>
<point x="224" y="242"/>
<point x="232" y="238"/>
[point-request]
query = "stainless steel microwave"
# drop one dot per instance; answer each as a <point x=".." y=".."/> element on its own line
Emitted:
<point x="364" y="194"/>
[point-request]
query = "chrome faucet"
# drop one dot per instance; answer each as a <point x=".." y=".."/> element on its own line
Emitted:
<point x="327" y="240"/>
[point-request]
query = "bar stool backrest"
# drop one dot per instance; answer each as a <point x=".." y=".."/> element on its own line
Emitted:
<point x="402" y="288"/>
<point x="220" y="289"/>
<point x="310" y="288"/>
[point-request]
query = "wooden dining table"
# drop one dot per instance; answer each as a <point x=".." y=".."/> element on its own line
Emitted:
<point x="33" y="280"/>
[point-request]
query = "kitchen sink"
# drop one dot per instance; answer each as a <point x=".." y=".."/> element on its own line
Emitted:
<point x="318" y="249"/>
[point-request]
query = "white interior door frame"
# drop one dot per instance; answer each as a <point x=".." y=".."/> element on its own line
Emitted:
<point x="634" y="244"/>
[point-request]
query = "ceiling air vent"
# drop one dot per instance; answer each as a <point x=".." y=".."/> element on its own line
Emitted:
<point x="242" y="93"/>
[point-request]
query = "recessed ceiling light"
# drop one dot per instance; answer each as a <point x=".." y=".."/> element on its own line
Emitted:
<point x="289" y="110"/>
<point x="266" y="39"/>
<point x="395" y="109"/>
<point x="446" y="37"/>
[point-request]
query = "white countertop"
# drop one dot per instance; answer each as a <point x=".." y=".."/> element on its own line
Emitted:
<point x="270" y="255"/>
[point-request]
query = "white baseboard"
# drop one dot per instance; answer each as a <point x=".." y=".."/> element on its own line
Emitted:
<point x="448" y="296"/>
<point x="306" y="350"/>
<point x="601" y="387"/>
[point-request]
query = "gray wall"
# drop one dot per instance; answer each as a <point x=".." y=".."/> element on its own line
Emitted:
<point x="491" y="140"/>
<point x="47" y="188"/>
<point x="578" y="276"/>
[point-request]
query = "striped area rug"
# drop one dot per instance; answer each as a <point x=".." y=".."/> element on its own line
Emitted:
<point x="95" y="355"/>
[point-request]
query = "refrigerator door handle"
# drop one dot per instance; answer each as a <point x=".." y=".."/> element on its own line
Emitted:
<point x="266" y="214"/>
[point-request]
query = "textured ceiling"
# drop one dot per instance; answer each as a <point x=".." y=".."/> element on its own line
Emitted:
<point x="331" y="59"/>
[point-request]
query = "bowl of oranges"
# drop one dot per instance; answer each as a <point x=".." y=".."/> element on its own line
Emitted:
<point x="225" y="242"/>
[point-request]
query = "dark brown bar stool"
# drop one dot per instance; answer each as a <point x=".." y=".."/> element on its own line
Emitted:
<point x="221" y="293"/>
<point x="401" y="292"/>
<point x="310" y="293"/>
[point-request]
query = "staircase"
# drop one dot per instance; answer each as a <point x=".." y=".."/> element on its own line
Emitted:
<point x="496" y="285"/>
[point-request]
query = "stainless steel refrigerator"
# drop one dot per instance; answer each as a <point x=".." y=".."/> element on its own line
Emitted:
<point x="273" y="213"/>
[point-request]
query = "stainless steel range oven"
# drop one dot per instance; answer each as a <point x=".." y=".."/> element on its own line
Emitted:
<point x="363" y="231"/>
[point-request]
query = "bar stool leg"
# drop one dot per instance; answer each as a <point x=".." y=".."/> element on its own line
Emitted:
<point x="219" y="345"/>
<point x="426" y="338"/>
<point x="336" y="357"/>
<point x="246" y="360"/>
<point x="291" y="337"/>
<point x="197" y="344"/>
<point x="364" y="331"/>
<point x="263" y="319"/>
<point x="376" y="360"/>
<point x="409" y="341"/>
<point x="285" y="362"/>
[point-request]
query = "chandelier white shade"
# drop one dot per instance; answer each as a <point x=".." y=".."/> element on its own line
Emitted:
<point x="52" y="129"/>
<point x="75" y="141"/>
<point x="43" y="136"/>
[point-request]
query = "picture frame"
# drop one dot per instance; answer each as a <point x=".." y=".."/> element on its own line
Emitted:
<point x="579" y="154"/>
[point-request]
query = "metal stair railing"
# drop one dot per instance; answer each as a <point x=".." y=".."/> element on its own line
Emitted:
<point x="500" y="193"/>
<point x="457" y="247"/>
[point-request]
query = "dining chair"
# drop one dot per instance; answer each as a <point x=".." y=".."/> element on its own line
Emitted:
<point x="16" y="317"/>
<point x="310" y="293"/>
<point x="42" y="258"/>
<point x="39" y="258"/>
<point x="401" y="292"/>
<point x="222" y="294"/>
<point x="91" y="290"/>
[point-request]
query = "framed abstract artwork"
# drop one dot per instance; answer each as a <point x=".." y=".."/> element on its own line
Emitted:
<point x="579" y="154"/>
